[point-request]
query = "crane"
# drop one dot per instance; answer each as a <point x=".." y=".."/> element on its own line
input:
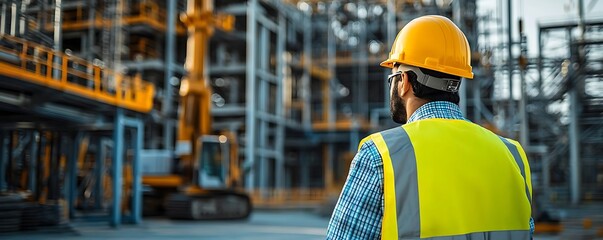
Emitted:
<point x="204" y="185"/>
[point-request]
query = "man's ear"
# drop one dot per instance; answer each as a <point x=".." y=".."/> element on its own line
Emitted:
<point x="405" y="86"/>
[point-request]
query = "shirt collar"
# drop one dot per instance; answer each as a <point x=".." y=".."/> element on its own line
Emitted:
<point x="437" y="109"/>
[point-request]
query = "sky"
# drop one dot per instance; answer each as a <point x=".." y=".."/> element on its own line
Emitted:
<point x="535" y="11"/>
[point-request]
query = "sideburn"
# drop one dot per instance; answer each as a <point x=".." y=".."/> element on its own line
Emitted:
<point x="397" y="107"/>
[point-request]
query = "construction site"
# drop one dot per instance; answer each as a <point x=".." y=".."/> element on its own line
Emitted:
<point x="239" y="119"/>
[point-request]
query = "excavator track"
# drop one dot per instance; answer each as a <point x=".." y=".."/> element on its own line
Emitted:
<point x="217" y="204"/>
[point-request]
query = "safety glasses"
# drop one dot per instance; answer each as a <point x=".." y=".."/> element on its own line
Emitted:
<point x="393" y="78"/>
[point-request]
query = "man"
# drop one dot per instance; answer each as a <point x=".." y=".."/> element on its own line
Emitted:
<point x="438" y="176"/>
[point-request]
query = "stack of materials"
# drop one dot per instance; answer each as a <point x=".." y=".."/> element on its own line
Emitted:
<point x="10" y="209"/>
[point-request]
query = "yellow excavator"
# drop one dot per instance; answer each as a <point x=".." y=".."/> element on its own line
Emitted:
<point x="205" y="184"/>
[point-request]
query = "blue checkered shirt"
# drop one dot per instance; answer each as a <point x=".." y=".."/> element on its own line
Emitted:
<point x="359" y="211"/>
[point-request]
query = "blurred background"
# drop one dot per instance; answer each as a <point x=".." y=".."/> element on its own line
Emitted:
<point x="246" y="115"/>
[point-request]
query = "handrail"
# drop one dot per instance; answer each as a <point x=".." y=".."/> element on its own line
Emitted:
<point x="288" y="196"/>
<point x="44" y="66"/>
<point x="145" y="12"/>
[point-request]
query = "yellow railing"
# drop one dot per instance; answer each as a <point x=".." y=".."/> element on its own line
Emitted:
<point x="288" y="197"/>
<point x="43" y="66"/>
<point x="143" y="46"/>
<point x="144" y="12"/>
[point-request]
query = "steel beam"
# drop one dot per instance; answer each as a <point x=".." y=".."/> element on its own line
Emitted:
<point x="251" y="93"/>
<point x="263" y="100"/>
<point x="306" y="80"/>
<point x="138" y="143"/>
<point x="280" y="114"/>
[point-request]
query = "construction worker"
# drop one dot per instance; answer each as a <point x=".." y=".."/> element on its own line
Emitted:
<point x="439" y="175"/>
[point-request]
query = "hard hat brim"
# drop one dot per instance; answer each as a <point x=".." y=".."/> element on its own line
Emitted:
<point x="389" y="63"/>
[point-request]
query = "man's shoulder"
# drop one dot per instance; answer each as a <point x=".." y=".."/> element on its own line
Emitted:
<point x="368" y="153"/>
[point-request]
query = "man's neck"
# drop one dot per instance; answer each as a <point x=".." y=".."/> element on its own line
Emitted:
<point x="413" y="104"/>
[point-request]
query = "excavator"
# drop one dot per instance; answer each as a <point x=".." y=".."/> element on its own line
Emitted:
<point x="204" y="186"/>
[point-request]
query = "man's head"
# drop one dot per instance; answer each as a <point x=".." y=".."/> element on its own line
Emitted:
<point x="405" y="86"/>
<point x="428" y="59"/>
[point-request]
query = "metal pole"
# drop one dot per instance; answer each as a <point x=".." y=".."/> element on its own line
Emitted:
<point x="331" y="45"/>
<point x="33" y="150"/>
<point x="251" y="92"/>
<point x="137" y="173"/>
<point x="391" y="35"/>
<point x="574" y="138"/>
<point x="13" y="19"/>
<point x="58" y="21"/>
<point x="477" y="104"/>
<point x="118" y="34"/>
<point x="523" y="115"/>
<point x="170" y="49"/>
<point x="22" y="25"/>
<point x="280" y="131"/>
<point x="3" y="18"/>
<point x="264" y="46"/>
<point x="3" y="159"/>
<point x="511" y="106"/>
<point x="72" y="173"/>
<point x="58" y="41"/>
<point x="574" y="126"/>
<point x="581" y="26"/>
<point x="117" y="167"/>
<point x="91" y="30"/>
<point x="463" y="90"/>
<point x="546" y="173"/>
<point x="540" y="67"/>
<point x="306" y="89"/>
<point x="53" y="185"/>
<point x="524" y="137"/>
<point x="99" y="172"/>
<point x="361" y="81"/>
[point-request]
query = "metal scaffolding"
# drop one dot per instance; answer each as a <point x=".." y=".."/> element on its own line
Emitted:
<point x="569" y="74"/>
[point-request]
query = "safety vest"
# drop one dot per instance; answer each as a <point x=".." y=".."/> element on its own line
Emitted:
<point x="452" y="179"/>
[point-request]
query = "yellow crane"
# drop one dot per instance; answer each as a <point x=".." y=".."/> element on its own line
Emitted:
<point x="204" y="187"/>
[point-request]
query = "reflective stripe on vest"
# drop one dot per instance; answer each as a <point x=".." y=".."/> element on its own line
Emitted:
<point x="452" y="179"/>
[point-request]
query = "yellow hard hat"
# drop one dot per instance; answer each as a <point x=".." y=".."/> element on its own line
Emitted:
<point x="432" y="42"/>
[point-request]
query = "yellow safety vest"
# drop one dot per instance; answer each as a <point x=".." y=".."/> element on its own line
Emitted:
<point x="452" y="179"/>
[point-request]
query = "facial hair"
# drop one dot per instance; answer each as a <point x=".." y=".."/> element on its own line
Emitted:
<point x="396" y="106"/>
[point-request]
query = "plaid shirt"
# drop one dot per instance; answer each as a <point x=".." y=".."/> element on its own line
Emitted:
<point x="359" y="211"/>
